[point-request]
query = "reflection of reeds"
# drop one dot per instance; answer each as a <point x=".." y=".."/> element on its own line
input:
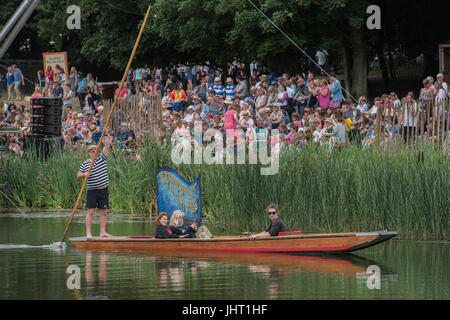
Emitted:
<point x="351" y="190"/>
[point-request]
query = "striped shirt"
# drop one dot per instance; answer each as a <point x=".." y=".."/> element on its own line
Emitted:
<point x="230" y="91"/>
<point x="98" y="178"/>
<point x="219" y="89"/>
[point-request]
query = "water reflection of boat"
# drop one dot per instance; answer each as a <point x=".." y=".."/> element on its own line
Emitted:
<point x="306" y="243"/>
<point x="349" y="264"/>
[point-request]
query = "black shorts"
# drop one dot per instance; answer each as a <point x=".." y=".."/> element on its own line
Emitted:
<point x="97" y="198"/>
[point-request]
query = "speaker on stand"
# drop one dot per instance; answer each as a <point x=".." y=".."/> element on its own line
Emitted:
<point x="46" y="117"/>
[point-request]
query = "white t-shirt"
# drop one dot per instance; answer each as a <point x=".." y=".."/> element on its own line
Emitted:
<point x="322" y="57"/>
<point x="189" y="117"/>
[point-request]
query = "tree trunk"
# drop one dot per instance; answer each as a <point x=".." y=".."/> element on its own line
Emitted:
<point x="346" y="67"/>
<point x="359" y="69"/>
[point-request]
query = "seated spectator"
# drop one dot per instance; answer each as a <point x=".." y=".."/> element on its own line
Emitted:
<point x="177" y="227"/>
<point x="162" y="229"/>
<point x="96" y="133"/>
<point x="362" y="104"/>
<point x="124" y="136"/>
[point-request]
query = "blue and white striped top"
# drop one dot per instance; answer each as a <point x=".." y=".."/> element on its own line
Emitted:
<point x="230" y="91"/>
<point x="219" y="89"/>
<point x="98" y="179"/>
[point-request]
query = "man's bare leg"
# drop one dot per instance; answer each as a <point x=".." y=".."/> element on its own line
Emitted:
<point x="103" y="233"/>
<point x="89" y="217"/>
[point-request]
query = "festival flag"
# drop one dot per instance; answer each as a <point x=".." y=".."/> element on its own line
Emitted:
<point x="176" y="193"/>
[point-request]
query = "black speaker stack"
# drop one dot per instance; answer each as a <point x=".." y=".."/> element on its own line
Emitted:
<point x="46" y="117"/>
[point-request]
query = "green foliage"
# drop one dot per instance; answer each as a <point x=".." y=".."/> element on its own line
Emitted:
<point x="353" y="190"/>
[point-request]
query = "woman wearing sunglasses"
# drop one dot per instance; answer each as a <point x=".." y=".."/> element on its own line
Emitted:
<point x="276" y="225"/>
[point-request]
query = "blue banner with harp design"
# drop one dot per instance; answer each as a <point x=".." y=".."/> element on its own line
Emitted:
<point x="175" y="193"/>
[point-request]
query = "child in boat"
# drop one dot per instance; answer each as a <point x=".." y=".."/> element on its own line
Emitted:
<point x="177" y="227"/>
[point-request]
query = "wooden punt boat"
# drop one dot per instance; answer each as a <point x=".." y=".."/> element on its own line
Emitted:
<point x="288" y="244"/>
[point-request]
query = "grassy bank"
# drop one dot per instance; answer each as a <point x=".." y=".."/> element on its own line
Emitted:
<point x="354" y="190"/>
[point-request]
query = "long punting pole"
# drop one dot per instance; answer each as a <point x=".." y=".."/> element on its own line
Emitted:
<point x="116" y="98"/>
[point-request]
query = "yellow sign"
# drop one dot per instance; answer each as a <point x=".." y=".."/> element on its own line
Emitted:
<point x="56" y="58"/>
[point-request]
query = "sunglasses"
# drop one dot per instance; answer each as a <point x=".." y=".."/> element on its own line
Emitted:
<point x="271" y="212"/>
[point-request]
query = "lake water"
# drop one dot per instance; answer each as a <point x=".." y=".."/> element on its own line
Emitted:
<point x="31" y="269"/>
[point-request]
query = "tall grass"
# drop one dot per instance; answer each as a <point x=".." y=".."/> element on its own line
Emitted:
<point x="352" y="190"/>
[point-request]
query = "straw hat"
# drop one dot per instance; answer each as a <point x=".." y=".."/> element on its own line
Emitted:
<point x="80" y="115"/>
<point x="92" y="147"/>
<point x="124" y="124"/>
<point x="228" y="101"/>
<point x="217" y="79"/>
<point x="94" y="129"/>
<point x="229" y="79"/>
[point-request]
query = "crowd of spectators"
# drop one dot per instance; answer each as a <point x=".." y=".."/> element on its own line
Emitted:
<point x="305" y="108"/>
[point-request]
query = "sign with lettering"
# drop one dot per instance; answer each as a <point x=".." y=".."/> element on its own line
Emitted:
<point x="175" y="193"/>
<point x="56" y="58"/>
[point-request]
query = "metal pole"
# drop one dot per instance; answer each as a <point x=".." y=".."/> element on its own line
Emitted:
<point x="12" y="21"/>
<point x="17" y="28"/>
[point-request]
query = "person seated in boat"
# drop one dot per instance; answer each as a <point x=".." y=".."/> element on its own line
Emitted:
<point x="276" y="225"/>
<point x="177" y="227"/>
<point x="162" y="228"/>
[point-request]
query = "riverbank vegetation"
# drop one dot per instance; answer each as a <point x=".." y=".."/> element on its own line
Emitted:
<point x="352" y="190"/>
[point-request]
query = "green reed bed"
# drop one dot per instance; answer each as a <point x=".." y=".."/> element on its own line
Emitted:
<point x="351" y="190"/>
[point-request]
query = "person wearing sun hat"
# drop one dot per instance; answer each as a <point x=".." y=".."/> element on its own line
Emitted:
<point x="229" y="90"/>
<point x="218" y="87"/>
<point x="97" y="186"/>
<point x="96" y="133"/>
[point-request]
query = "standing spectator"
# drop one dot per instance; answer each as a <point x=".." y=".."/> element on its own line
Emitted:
<point x="40" y="80"/>
<point x="336" y="91"/>
<point x="426" y="93"/>
<point x="18" y="81"/>
<point x="98" y="94"/>
<point x="60" y="76"/>
<point x="138" y="79"/>
<point x="10" y="83"/>
<point x="324" y="95"/>
<point x="231" y="120"/>
<point x="49" y="79"/>
<point x="408" y="117"/>
<point x="90" y="81"/>
<point x="440" y="79"/>
<point x="81" y="86"/>
<point x="73" y="78"/>
<point x="241" y="88"/>
<point x="302" y="96"/>
<point x="321" y="58"/>
<point x="218" y="87"/>
<point x="229" y="90"/>
<point x="201" y="91"/>
<point x="179" y="98"/>
<point x="182" y="70"/>
<point x="277" y="117"/>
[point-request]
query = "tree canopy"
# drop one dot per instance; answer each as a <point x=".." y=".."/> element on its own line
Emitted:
<point x="219" y="31"/>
